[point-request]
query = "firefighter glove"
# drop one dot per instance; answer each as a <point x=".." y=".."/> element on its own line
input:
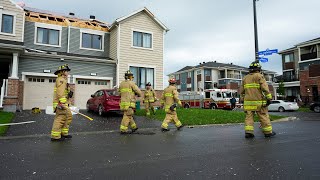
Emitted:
<point x="70" y="94"/>
<point x="173" y="106"/>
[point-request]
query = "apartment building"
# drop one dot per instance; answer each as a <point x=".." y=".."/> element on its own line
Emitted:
<point x="210" y="75"/>
<point x="301" y="75"/>
<point x="37" y="41"/>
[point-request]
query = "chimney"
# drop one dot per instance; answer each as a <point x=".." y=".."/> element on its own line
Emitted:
<point x="92" y="17"/>
<point x="71" y="14"/>
<point x="231" y="63"/>
<point x="215" y="61"/>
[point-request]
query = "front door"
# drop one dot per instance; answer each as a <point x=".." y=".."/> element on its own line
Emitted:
<point x="4" y="71"/>
<point x="315" y="93"/>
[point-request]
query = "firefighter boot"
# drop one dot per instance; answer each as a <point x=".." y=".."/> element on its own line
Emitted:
<point x="270" y="135"/>
<point x="67" y="136"/>
<point x="58" y="140"/>
<point x="249" y="135"/>
<point x="178" y="128"/>
<point x="164" y="130"/>
<point x="134" y="130"/>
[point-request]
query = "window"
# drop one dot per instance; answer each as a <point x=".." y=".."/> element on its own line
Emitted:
<point x="189" y="74"/>
<point x="36" y="80"/>
<point x="52" y="80"/>
<point x="177" y="76"/>
<point x="288" y="58"/>
<point x="7" y="23"/>
<point x="141" y="39"/>
<point x="198" y="72"/>
<point x="84" y="82"/>
<point x="100" y="83"/>
<point x="48" y="36"/>
<point x="142" y="76"/>
<point x="91" y="41"/>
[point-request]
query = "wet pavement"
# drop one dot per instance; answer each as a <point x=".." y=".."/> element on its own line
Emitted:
<point x="214" y="152"/>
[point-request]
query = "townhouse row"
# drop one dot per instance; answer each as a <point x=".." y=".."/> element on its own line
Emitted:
<point x="33" y="43"/>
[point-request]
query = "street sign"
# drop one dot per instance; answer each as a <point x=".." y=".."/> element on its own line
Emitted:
<point x="268" y="52"/>
<point x="263" y="60"/>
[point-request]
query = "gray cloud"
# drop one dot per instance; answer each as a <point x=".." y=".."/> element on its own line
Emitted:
<point x="211" y="29"/>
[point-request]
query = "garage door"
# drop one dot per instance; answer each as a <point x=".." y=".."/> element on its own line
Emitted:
<point x="38" y="92"/>
<point x="85" y="87"/>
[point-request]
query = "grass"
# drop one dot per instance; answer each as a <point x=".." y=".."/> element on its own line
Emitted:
<point x="5" y="117"/>
<point x="304" y="109"/>
<point x="205" y="116"/>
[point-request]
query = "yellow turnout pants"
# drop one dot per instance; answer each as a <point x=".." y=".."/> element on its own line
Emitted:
<point x="61" y="123"/>
<point x="127" y="120"/>
<point x="148" y="106"/>
<point x="264" y="120"/>
<point x="171" y="116"/>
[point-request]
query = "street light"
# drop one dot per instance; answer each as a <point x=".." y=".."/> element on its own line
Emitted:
<point x="255" y="32"/>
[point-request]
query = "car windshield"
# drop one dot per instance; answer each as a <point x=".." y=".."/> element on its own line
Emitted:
<point x="113" y="93"/>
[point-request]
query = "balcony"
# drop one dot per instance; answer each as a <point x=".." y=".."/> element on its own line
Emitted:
<point x="290" y="79"/>
<point x="308" y="56"/>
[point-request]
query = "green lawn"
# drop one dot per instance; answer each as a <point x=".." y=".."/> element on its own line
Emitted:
<point x="205" y="116"/>
<point x="5" y="117"/>
<point x="304" y="109"/>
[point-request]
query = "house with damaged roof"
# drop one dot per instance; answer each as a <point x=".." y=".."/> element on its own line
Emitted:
<point x="212" y="74"/>
<point x="36" y="42"/>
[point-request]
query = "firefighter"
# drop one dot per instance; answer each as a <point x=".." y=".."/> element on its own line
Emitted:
<point x="257" y="97"/>
<point x="149" y="99"/>
<point x="128" y="90"/>
<point x="169" y="100"/>
<point x="61" y="95"/>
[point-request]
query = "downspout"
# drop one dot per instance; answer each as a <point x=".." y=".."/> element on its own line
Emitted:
<point x="118" y="55"/>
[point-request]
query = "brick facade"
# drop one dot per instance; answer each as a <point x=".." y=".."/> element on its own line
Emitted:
<point x="306" y="84"/>
<point x="11" y="100"/>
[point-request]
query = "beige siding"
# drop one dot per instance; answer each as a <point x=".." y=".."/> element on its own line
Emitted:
<point x="10" y="7"/>
<point x="148" y="58"/>
<point x="113" y="43"/>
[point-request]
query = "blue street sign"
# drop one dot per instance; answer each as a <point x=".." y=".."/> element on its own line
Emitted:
<point x="263" y="60"/>
<point x="268" y="52"/>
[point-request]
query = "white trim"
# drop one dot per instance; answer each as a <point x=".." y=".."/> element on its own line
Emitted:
<point x="310" y="60"/>
<point x="75" y="77"/>
<point x="308" y="44"/>
<point x="3" y="12"/>
<point x="68" y="46"/>
<point x="92" y="32"/>
<point x="141" y="31"/>
<point x="141" y="65"/>
<point x="16" y="5"/>
<point x="24" y="74"/>
<point x="23" y="25"/>
<point x="15" y="66"/>
<point x="288" y="70"/>
<point x="164" y="32"/>
<point x="149" y="13"/>
<point x="118" y="55"/>
<point x="50" y="27"/>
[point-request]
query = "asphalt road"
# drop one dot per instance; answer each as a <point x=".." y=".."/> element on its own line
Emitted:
<point x="214" y="152"/>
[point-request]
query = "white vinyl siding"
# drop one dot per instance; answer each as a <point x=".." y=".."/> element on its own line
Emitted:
<point x="11" y="21"/>
<point x="148" y="58"/>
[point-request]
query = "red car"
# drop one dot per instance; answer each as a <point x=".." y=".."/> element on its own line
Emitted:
<point x="103" y="101"/>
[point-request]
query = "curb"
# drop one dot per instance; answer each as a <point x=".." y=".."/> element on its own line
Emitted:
<point x="230" y="124"/>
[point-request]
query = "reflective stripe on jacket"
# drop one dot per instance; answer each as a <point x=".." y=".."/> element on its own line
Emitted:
<point x="255" y="91"/>
<point x="127" y="90"/>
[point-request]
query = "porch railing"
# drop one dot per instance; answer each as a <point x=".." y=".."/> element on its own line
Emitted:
<point x="4" y="91"/>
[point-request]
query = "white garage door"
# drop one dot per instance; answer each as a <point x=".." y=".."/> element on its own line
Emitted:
<point x="85" y="87"/>
<point x="38" y="92"/>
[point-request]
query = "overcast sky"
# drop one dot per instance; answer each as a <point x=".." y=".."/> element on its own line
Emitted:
<point x="208" y="30"/>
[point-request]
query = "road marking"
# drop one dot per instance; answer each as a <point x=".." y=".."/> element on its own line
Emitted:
<point x="10" y="124"/>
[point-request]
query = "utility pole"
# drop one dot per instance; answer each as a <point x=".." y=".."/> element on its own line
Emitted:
<point x="255" y="32"/>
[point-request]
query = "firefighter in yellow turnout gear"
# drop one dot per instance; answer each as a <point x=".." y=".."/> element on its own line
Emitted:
<point x="128" y="89"/>
<point x="149" y="99"/>
<point x="61" y="95"/>
<point x="257" y="97"/>
<point x="168" y="100"/>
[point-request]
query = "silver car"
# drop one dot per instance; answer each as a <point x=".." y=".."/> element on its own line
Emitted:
<point x="283" y="105"/>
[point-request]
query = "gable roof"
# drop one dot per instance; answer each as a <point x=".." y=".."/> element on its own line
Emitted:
<point x="154" y="18"/>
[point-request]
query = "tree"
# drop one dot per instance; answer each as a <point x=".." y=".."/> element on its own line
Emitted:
<point x="281" y="90"/>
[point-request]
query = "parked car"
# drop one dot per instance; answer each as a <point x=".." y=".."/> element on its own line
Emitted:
<point x="283" y="105"/>
<point x="103" y="101"/>
<point x="315" y="107"/>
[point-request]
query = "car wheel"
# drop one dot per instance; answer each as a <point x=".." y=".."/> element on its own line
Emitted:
<point x="213" y="106"/>
<point x="281" y="109"/>
<point x="100" y="110"/>
<point x="186" y="106"/>
<point x="316" y="109"/>
<point x="87" y="107"/>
